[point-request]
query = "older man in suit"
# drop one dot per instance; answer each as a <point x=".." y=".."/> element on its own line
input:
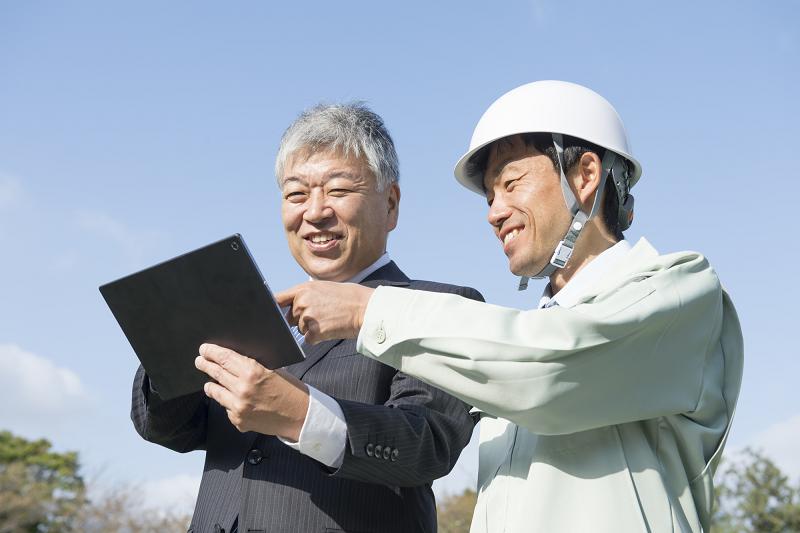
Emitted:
<point x="336" y="442"/>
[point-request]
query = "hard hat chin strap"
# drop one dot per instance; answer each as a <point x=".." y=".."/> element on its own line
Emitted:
<point x="564" y="249"/>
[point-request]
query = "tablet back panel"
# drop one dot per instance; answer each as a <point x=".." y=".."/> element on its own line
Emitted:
<point x="214" y="294"/>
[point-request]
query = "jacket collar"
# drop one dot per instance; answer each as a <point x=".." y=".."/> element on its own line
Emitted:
<point x="594" y="272"/>
<point x="638" y="262"/>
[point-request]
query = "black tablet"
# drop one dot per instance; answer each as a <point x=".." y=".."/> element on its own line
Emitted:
<point x="214" y="294"/>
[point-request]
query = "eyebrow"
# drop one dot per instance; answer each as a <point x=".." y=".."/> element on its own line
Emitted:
<point x="301" y="181"/>
<point x="333" y="175"/>
<point x="340" y="174"/>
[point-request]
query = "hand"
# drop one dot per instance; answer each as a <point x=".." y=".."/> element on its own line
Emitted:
<point x="271" y="402"/>
<point x="325" y="310"/>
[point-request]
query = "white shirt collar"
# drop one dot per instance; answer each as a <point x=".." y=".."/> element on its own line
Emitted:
<point x="588" y="275"/>
<point x="361" y="276"/>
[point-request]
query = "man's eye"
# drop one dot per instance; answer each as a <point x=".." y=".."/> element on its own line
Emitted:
<point x="295" y="196"/>
<point x="510" y="184"/>
<point x="338" y="192"/>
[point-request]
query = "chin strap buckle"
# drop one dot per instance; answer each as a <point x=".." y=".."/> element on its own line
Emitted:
<point x="562" y="254"/>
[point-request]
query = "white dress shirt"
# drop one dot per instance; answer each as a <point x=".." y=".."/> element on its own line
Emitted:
<point x="323" y="436"/>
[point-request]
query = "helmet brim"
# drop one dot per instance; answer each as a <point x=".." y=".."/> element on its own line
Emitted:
<point x="474" y="182"/>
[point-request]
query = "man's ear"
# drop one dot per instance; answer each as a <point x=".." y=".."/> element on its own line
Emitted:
<point x="587" y="179"/>
<point x="393" y="205"/>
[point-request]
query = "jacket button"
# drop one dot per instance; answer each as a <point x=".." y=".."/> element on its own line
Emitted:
<point x="254" y="456"/>
<point x="370" y="449"/>
<point x="378" y="451"/>
<point x="395" y="454"/>
<point x="387" y="452"/>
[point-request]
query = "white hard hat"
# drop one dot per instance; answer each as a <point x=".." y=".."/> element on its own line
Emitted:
<point x="549" y="107"/>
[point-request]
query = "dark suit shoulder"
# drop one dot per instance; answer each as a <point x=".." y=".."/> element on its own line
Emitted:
<point x="435" y="286"/>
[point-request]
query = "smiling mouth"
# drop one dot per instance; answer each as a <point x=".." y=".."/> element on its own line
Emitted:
<point x="322" y="241"/>
<point x="510" y="236"/>
<point x="322" y="238"/>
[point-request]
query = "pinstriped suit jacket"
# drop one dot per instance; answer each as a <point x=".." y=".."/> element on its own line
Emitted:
<point x="273" y="488"/>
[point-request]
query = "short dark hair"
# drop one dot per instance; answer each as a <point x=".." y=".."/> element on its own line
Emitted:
<point x="574" y="148"/>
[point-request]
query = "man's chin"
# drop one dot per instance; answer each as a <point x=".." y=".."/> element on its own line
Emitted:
<point x="518" y="270"/>
<point x="322" y="272"/>
<point x="329" y="272"/>
<point x="526" y="269"/>
<point x="323" y="268"/>
<point x="328" y="276"/>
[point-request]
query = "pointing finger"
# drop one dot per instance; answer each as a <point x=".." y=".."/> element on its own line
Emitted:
<point x="285" y="298"/>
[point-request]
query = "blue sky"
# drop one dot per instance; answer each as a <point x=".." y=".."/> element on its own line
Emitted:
<point x="132" y="133"/>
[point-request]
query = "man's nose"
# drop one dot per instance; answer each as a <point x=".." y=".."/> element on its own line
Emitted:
<point x="498" y="212"/>
<point x="318" y="208"/>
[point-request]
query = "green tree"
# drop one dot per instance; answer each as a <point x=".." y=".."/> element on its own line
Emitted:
<point x="40" y="490"/>
<point x="753" y="495"/>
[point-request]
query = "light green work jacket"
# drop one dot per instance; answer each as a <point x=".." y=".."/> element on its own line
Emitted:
<point x="610" y="415"/>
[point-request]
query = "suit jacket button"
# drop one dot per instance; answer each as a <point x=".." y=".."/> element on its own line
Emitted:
<point x="254" y="456"/>
<point x="395" y="454"/>
<point x="387" y="452"/>
<point x="378" y="451"/>
<point x="370" y="449"/>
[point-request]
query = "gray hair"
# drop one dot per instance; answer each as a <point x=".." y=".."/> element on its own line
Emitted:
<point x="352" y="128"/>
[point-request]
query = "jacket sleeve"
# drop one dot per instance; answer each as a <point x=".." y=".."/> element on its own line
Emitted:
<point x="636" y="352"/>
<point x="179" y="424"/>
<point x="416" y="436"/>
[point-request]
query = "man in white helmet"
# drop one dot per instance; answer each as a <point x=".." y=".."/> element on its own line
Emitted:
<point x="606" y="408"/>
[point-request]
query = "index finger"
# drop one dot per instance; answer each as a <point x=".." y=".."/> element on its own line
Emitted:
<point x="224" y="357"/>
<point x="285" y="298"/>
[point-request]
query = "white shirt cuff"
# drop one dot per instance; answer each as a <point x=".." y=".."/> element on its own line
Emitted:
<point x="324" y="432"/>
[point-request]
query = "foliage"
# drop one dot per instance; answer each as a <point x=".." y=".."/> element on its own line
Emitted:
<point x="755" y="496"/>
<point x="455" y="512"/>
<point x="41" y="491"/>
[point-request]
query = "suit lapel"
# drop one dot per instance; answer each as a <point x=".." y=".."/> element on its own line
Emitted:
<point x="313" y="353"/>
<point x="389" y="274"/>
